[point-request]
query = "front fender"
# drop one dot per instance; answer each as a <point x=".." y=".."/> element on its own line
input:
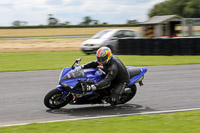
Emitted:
<point x="60" y="88"/>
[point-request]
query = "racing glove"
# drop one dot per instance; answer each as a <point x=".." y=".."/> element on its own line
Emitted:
<point x="88" y="88"/>
<point x="79" y="68"/>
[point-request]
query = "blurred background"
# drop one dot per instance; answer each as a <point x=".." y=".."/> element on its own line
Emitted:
<point x="77" y="21"/>
<point x="73" y="14"/>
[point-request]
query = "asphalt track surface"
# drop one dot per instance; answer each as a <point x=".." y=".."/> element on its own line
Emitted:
<point x="166" y="88"/>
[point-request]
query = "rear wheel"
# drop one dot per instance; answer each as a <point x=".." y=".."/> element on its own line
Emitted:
<point x="128" y="94"/>
<point x="53" y="99"/>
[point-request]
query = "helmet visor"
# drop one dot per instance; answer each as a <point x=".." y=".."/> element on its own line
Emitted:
<point x="102" y="59"/>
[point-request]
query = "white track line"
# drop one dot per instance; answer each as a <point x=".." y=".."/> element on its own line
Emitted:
<point x="107" y="116"/>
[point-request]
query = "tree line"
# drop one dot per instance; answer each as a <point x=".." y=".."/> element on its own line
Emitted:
<point x="53" y="21"/>
<point x="183" y="8"/>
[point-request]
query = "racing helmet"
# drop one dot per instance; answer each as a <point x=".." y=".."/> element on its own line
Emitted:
<point x="103" y="55"/>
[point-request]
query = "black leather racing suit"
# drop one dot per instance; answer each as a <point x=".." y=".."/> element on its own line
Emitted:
<point x="117" y="75"/>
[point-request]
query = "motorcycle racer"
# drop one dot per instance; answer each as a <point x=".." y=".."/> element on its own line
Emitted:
<point x="117" y="76"/>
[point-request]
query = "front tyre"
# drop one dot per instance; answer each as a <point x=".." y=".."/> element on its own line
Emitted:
<point x="128" y="94"/>
<point x="53" y="99"/>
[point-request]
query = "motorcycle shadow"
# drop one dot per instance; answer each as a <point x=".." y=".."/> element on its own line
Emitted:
<point x="102" y="110"/>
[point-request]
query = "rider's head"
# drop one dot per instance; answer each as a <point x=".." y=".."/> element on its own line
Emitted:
<point x="103" y="55"/>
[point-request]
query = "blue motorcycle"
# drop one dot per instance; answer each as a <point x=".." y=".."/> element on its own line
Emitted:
<point x="72" y="79"/>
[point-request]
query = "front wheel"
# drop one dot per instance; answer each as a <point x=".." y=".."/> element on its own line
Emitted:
<point x="128" y="94"/>
<point x="53" y="99"/>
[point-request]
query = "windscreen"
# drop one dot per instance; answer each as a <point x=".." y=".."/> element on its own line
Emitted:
<point x="76" y="73"/>
<point x="103" y="34"/>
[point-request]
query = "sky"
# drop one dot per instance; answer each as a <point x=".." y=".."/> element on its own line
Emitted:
<point x="35" y="12"/>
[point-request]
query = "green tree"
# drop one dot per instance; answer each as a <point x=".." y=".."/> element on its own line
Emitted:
<point x="16" y="23"/>
<point x="95" y="22"/>
<point x="52" y="20"/>
<point x="192" y="9"/>
<point x="184" y="8"/>
<point x="86" y="20"/>
<point x="19" y="23"/>
<point x="132" y="21"/>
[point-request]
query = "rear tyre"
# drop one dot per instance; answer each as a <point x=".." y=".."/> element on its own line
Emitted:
<point x="128" y="94"/>
<point x="53" y="99"/>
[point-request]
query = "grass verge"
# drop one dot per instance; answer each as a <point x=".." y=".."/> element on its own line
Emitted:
<point x="45" y="37"/>
<point x="184" y="122"/>
<point x="58" y="60"/>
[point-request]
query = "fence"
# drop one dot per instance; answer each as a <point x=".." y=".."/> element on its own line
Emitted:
<point x="190" y="26"/>
<point x="159" y="46"/>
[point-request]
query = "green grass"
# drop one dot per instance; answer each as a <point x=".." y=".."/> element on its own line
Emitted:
<point x="48" y="37"/>
<point x="185" y="122"/>
<point x="58" y="60"/>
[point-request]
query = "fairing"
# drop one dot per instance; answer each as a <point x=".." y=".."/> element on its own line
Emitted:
<point x="137" y="77"/>
<point x="92" y="74"/>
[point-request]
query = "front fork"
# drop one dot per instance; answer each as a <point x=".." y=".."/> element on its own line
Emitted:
<point x="65" y="92"/>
